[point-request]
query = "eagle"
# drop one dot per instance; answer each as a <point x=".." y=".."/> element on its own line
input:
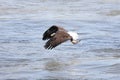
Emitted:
<point x="56" y="35"/>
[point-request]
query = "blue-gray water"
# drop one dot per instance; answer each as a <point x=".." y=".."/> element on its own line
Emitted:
<point x="96" y="57"/>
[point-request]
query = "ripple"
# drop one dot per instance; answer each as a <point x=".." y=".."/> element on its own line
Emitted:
<point x="22" y="53"/>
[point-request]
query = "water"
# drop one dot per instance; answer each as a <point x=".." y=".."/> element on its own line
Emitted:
<point x="96" y="57"/>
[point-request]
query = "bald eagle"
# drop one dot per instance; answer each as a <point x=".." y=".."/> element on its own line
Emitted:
<point x="57" y="35"/>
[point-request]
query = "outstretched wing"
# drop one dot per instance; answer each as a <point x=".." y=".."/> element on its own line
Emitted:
<point x="52" y="31"/>
<point x="47" y="34"/>
<point x="59" y="38"/>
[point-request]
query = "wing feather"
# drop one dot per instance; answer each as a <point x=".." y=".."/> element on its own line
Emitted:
<point x="59" y="38"/>
<point x="47" y="33"/>
<point x="52" y="30"/>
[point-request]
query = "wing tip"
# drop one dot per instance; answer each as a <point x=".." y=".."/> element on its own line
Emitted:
<point x="48" y="47"/>
<point x="44" y="38"/>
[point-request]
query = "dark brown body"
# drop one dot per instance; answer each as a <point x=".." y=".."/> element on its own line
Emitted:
<point x="56" y="36"/>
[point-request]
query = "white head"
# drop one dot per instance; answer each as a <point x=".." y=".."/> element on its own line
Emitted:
<point x="75" y="37"/>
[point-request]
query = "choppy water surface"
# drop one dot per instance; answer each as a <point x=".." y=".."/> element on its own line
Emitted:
<point x="96" y="57"/>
